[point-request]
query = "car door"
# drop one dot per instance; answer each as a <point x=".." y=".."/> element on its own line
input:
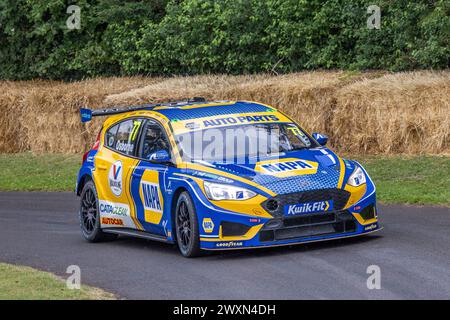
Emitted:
<point x="114" y="164"/>
<point x="148" y="182"/>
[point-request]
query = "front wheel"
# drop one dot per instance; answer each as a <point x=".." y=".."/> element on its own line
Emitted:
<point x="186" y="224"/>
<point x="90" y="216"/>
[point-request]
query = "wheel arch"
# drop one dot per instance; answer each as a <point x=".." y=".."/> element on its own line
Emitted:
<point x="173" y="207"/>
<point x="83" y="180"/>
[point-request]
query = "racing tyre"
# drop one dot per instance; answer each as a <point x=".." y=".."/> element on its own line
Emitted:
<point x="186" y="224"/>
<point x="90" y="217"/>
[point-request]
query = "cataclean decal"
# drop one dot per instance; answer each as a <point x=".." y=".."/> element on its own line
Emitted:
<point x="114" y="209"/>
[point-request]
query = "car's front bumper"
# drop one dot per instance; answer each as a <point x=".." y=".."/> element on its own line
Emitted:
<point x="220" y="230"/>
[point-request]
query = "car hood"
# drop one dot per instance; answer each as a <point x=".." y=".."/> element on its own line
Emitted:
<point x="295" y="171"/>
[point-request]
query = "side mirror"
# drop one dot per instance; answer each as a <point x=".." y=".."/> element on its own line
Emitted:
<point x="160" y="156"/>
<point x="320" y="138"/>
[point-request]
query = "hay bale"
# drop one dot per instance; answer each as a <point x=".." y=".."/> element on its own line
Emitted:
<point x="397" y="113"/>
<point x="371" y="112"/>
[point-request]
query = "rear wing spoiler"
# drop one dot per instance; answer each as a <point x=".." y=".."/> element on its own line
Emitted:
<point x="87" y="114"/>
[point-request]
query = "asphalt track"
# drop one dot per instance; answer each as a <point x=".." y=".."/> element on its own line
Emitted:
<point x="41" y="230"/>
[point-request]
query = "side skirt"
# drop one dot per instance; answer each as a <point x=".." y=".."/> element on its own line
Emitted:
<point x="137" y="234"/>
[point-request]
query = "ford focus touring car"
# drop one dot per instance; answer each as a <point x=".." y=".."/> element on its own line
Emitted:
<point x="218" y="175"/>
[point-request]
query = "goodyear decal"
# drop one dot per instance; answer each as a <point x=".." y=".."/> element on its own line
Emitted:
<point x="308" y="207"/>
<point x="230" y="244"/>
<point x="286" y="167"/>
<point x="371" y="227"/>
<point x="208" y="225"/>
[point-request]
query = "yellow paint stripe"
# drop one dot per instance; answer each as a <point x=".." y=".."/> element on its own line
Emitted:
<point x="228" y="175"/>
<point x="362" y="221"/>
<point x="250" y="207"/>
<point x="341" y="176"/>
<point x="130" y="197"/>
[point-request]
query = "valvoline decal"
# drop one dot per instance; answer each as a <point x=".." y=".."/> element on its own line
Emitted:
<point x="115" y="178"/>
<point x="287" y="167"/>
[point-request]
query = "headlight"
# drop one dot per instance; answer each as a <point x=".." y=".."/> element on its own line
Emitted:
<point x="215" y="191"/>
<point x="357" y="178"/>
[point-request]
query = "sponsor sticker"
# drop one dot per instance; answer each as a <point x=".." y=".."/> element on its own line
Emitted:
<point x="287" y="167"/>
<point x="112" y="221"/>
<point x="371" y="227"/>
<point x="308" y="207"/>
<point x="239" y="120"/>
<point x="124" y="147"/>
<point x="111" y="141"/>
<point x="208" y="225"/>
<point x="152" y="200"/>
<point x="192" y="125"/>
<point x="229" y="244"/>
<point x="115" y="209"/>
<point x="115" y="178"/>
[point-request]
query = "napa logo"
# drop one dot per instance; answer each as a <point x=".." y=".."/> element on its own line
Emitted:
<point x="152" y="197"/>
<point x="308" y="207"/>
<point x="287" y="167"/>
<point x="115" y="178"/>
<point x="208" y="225"/>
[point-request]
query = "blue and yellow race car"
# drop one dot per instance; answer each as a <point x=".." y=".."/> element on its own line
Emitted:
<point x="218" y="175"/>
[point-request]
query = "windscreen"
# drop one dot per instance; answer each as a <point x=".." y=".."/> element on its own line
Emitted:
<point x="245" y="143"/>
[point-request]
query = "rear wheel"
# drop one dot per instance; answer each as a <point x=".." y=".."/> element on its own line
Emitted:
<point x="186" y="224"/>
<point x="90" y="216"/>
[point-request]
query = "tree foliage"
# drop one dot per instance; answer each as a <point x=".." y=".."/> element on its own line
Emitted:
<point x="218" y="36"/>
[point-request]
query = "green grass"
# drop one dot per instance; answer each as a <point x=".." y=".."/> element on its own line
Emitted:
<point x="399" y="179"/>
<point x="412" y="180"/>
<point x="25" y="283"/>
<point x="48" y="172"/>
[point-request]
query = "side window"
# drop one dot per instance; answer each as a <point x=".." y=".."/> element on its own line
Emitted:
<point x="123" y="136"/>
<point x="153" y="140"/>
<point x="110" y="136"/>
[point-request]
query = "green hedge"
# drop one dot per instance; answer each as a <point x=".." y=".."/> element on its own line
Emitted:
<point x="222" y="36"/>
